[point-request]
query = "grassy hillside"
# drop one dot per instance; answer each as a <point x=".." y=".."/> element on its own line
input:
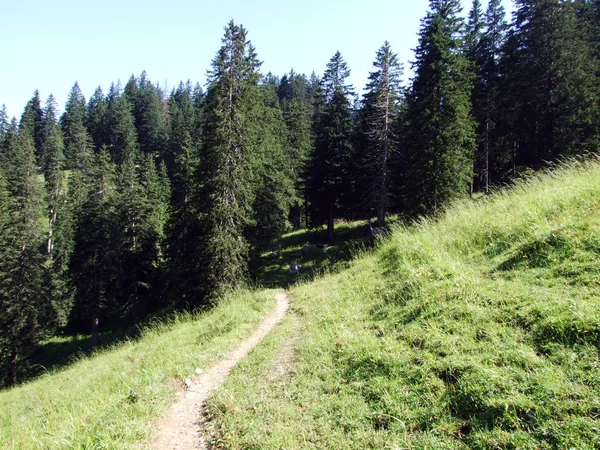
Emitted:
<point x="110" y="399"/>
<point x="480" y="330"/>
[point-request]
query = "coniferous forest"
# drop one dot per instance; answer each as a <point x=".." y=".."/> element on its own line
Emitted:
<point x="137" y="199"/>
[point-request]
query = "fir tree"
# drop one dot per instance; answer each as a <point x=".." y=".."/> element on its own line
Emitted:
<point x="149" y="114"/>
<point x="138" y="239"/>
<point x="78" y="142"/>
<point x="183" y="226"/>
<point x="119" y="126"/>
<point x="25" y="314"/>
<point x="296" y="106"/>
<point x="333" y="127"/>
<point x="4" y="122"/>
<point x="95" y="262"/>
<point x="485" y="52"/>
<point x="34" y="115"/>
<point x="551" y="83"/>
<point x="439" y="136"/>
<point x="380" y="120"/>
<point x="95" y="118"/>
<point x="273" y="164"/>
<point x="4" y="130"/>
<point x="225" y="196"/>
<point x="52" y="167"/>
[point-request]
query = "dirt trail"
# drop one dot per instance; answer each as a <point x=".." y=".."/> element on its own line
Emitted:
<point x="180" y="428"/>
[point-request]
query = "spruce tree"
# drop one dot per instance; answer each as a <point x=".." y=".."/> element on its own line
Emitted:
<point x="78" y="142"/>
<point x="183" y="226"/>
<point x="4" y="122"/>
<point x="149" y="114"/>
<point x="330" y="166"/>
<point x="4" y="130"/>
<point x="379" y="126"/>
<point x="25" y="313"/>
<point x="273" y="164"/>
<point x="551" y="84"/>
<point x="119" y="126"/>
<point x="485" y="51"/>
<point x="136" y="239"/>
<point x="34" y="116"/>
<point x="52" y="167"/>
<point x="439" y="142"/>
<point x="225" y="195"/>
<point x="95" y="118"/>
<point x="296" y="106"/>
<point x="95" y="262"/>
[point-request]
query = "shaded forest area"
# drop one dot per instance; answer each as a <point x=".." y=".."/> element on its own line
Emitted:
<point x="139" y="199"/>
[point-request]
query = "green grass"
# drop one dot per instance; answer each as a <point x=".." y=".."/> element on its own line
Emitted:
<point x="316" y="261"/>
<point x="110" y="399"/>
<point x="478" y="330"/>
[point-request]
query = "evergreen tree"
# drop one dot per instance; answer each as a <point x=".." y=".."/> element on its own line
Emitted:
<point x="485" y="52"/>
<point x="4" y="130"/>
<point x="77" y="141"/>
<point x="225" y="195"/>
<point x="200" y="105"/>
<point x="474" y="31"/>
<point x="273" y="164"/>
<point x="95" y="261"/>
<point x="439" y="142"/>
<point x="330" y="168"/>
<point x="7" y="143"/>
<point x="4" y="122"/>
<point x="34" y="114"/>
<point x="149" y="114"/>
<point x="183" y="226"/>
<point x="296" y="106"/>
<point x="25" y="314"/>
<point x="119" y="126"/>
<point x="52" y="167"/>
<point x="551" y="82"/>
<point x="95" y="118"/>
<point x="137" y="248"/>
<point x="380" y="120"/>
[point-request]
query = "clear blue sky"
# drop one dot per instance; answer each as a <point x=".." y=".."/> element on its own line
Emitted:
<point x="50" y="44"/>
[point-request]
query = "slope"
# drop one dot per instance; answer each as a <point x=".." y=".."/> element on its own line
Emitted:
<point x="478" y="330"/>
<point x="113" y="398"/>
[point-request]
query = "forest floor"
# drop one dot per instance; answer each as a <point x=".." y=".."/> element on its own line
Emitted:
<point x="180" y="428"/>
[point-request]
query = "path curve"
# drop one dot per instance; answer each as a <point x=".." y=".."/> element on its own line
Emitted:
<point x="180" y="428"/>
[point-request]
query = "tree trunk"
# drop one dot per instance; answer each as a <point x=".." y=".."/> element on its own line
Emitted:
<point x="382" y="201"/>
<point x="12" y="368"/>
<point x="330" y="234"/>
<point x="95" y="339"/>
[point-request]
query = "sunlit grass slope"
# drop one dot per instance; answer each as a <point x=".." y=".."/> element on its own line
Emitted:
<point x="111" y="399"/>
<point x="479" y="330"/>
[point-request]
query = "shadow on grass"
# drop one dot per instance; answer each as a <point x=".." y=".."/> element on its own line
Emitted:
<point x="312" y="250"/>
<point x="319" y="256"/>
<point x="59" y="352"/>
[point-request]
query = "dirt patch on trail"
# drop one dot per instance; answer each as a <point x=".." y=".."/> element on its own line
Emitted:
<point x="180" y="428"/>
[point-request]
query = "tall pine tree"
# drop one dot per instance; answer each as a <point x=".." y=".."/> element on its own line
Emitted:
<point x="95" y="263"/>
<point x="439" y="138"/>
<point x="330" y="167"/>
<point x="551" y="84"/>
<point x="225" y="195"/>
<point x="379" y="125"/>
<point x="25" y="312"/>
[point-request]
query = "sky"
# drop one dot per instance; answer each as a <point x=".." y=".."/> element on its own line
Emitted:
<point x="54" y="43"/>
